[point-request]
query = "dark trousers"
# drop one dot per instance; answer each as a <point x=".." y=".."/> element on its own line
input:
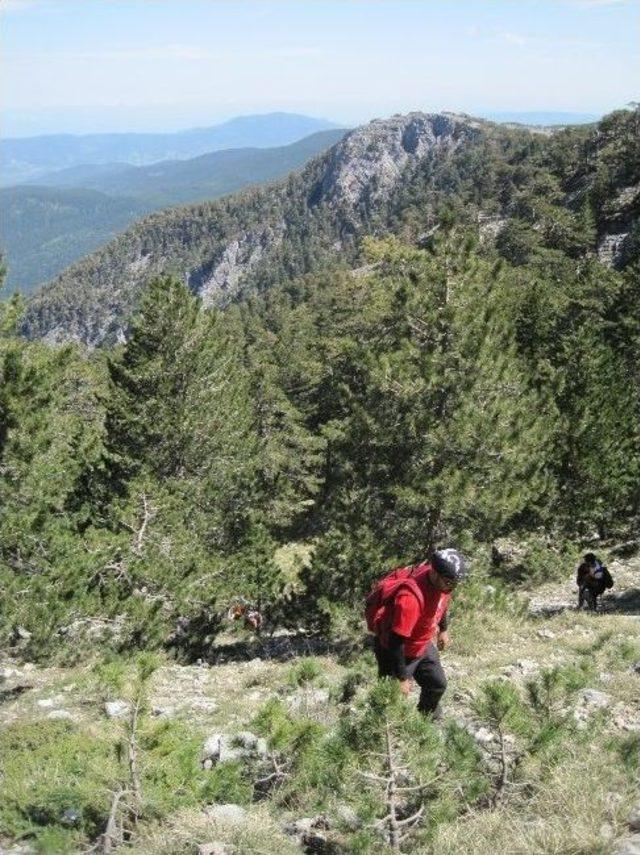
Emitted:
<point x="426" y="671"/>
<point x="589" y="593"/>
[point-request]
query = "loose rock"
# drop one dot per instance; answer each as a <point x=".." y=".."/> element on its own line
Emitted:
<point x="60" y="715"/>
<point x="116" y="709"/>
<point x="546" y="633"/>
<point x="348" y="817"/>
<point x="483" y="736"/>
<point x="227" y="813"/>
<point x="215" y="848"/>
<point x="629" y="846"/>
<point x="595" y="699"/>
<point x="223" y="748"/>
<point x="7" y="673"/>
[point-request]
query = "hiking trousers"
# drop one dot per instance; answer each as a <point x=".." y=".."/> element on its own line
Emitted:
<point x="427" y="671"/>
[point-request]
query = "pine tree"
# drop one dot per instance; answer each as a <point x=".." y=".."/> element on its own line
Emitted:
<point x="149" y="382"/>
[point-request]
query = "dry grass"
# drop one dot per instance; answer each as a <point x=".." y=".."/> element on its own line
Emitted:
<point x="181" y="833"/>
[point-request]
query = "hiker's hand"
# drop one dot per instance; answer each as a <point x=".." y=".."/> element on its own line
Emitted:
<point x="405" y="687"/>
<point x="443" y="640"/>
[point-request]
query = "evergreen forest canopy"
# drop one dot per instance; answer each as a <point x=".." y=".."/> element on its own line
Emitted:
<point x="290" y="447"/>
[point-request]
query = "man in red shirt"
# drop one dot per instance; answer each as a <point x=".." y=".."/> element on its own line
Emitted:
<point x="407" y="643"/>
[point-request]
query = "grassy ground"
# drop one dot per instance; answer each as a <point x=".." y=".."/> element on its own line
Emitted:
<point x="570" y="791"/>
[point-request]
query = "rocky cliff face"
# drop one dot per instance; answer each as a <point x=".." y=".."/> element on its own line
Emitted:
<point x="364" y="169"/>
<point x="621" y="213"/>
<point x="217" y="248"/>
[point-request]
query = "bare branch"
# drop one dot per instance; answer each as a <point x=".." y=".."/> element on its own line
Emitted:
<point x="147" y="515"/>
<point x="112" y="836"/>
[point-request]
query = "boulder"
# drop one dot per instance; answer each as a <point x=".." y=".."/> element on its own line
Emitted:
<point x="545" y="633"/>
<point x="225" y="748"/>
<point x="628" y="846"/>
<point x="596" y="700"/>
<point x="606" y="831"/>
<point x="215" y="848"/>
<point x="483" y="736"/>
<point x="7" y="673"/>
<point x="309" y="832"/>
<point x="60" y="715"/>
<point x="116" y="709"/>
<point x="230" y="814"/>
<point x="348" y="818"/>
<point x="20" y="634"/>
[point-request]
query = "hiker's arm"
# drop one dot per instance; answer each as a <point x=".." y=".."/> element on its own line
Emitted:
<point x="396" y="655"/>
<point x="405" y="614"/>
<point x="443" y="636"/>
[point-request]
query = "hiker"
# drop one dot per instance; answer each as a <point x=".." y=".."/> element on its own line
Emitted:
<point x="592" y="579"/>
<point x="407" y="611"/>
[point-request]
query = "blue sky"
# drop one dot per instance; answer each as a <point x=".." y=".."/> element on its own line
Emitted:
<point x="83" y="65"/>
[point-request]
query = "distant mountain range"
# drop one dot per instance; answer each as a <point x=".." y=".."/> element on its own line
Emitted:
<point x="173" y="182"/>
<point x="43" y="229"/>
<point x="26" y="158"/>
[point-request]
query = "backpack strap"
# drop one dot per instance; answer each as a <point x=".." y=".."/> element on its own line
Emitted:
<point x="412" y="585"/>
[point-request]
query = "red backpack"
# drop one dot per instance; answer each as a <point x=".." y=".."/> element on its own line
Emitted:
<point x="379" y="602"/>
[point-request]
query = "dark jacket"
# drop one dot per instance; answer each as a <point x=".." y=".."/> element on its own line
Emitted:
<point x="598" y="583"/>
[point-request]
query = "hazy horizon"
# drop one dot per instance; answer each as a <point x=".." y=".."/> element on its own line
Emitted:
<point x="70" y="66"/>
<point x="531" y="116"/>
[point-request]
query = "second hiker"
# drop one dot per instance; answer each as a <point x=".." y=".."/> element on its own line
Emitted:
<point x="407" y="611"/>
<point x="592" y="579"/>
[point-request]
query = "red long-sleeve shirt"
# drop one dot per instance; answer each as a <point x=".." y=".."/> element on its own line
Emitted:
<point x="415" y="624"/>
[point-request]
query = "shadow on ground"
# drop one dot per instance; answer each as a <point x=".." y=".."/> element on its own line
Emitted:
<point x="7" y="695"/>
<point x="281" y="648"/>
<point x="625" y="603"/>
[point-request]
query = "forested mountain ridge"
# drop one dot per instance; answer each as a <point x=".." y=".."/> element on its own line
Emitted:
<point x="574" y="192"/>
<point x="44" y="229"/>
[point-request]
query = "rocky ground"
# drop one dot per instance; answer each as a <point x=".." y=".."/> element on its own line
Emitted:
<point x="217" y="701"/>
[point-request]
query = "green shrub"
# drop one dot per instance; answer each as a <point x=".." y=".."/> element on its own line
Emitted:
<point x="306" y="670"/>
<point x="50" y="768"/>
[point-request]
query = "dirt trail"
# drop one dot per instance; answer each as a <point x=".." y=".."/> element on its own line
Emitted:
<point x="623" y="598"/>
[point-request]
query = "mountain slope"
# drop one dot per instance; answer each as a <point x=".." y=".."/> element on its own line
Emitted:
<point x="27" y="158"/>
<point x="573" y="192"/>
<point x="44" y="229"/>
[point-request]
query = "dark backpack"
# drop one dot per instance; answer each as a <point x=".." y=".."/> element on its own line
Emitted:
<point x="606" y="578"/>
<point x="380" y="600"/>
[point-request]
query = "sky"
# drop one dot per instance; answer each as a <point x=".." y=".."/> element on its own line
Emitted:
<point x="149" y="65"/>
